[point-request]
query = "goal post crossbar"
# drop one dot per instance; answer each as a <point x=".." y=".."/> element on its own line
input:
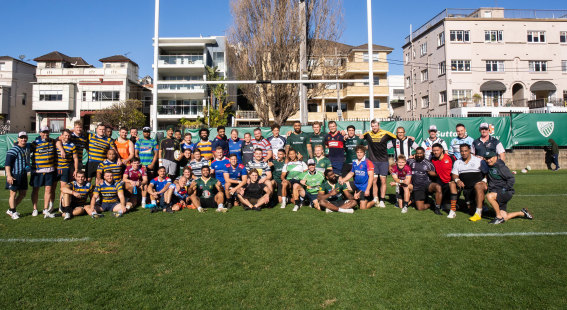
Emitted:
<point x="261" y="82"/>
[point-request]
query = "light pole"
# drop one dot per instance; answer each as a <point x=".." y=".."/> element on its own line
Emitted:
<point x="370" y="60"/>
<point x="303" y="116"/>
<point x="153" y="110"/>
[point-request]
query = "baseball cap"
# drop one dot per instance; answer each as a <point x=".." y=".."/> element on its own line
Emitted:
<point x="170" y="128"/>
<point x="22" y="134"/>
<point x="432" y="128"/>
<point x="146" y="129"/>
<point x="310" y="162"/>
<point x="484" y="126"/>
<point x="44" y="128"/>
<point x="489" y="154"/>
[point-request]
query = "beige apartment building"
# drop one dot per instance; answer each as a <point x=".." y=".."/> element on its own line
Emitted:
<point x="16" y="78"/>
<point x="486" y="62"/>
<point x="342" y="61"/>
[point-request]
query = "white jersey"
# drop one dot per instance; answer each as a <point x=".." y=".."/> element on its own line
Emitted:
<point x="402" y="147"/>
<point x="428" y="143"/>
<point x="474" y="165"/>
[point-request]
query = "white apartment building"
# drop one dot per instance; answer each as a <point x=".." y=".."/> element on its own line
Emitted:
<point x="16" y="77"/>
<point x="486" y="62"/>
<point x="181" y="60"/>
<point x="396" y="92"/>
<point x="69" y="89"/>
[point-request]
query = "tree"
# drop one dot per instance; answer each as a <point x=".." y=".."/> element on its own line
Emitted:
<point x="263" y="44"/>
<point x="216" y="113"/>
<point x="122" y="114"/>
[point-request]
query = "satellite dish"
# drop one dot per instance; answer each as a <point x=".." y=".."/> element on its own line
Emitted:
<point x="22" y="57"/>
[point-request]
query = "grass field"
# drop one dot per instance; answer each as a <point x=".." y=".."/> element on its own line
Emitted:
<point x="277" y="259"/>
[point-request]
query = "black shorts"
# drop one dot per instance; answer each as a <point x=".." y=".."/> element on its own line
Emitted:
<point x="42" y="179"/>
<point x="91" y="169"/>
<point x="76" y="203"/>
<point x="445" y="188"/>
<point x="356" y="189"/>
<point x="310" y="197"/>
<point x="20" y="182"/>
<point x="502" y="198"/>
<point x="278" y="188"/>
<point x="347" y="167"/>
<point x="64" y="175"/>
<point x="337" y="203"/>
<point x="420" y="194"/>
<point x="208" y="202"/>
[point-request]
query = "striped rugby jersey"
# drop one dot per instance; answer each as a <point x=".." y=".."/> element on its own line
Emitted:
<point x="261" y="166"/>
<point x="206" y="149"/>
<point x="97" y="147"/>
<point x="67" y="162"/>
<point x="114" y="167"/>
<point x="197" y="165"/>
<point x="109" y="192"/>
<point x="147" y="148"/>
<point x="43" y="155"/>
<point x="263" y="144"/>
<point x="18" y="159"/>
<point x="80" y="143"/>
<point x="84" y="190"/>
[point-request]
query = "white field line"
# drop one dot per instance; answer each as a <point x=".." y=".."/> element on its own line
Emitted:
<point x="510" y="234"/>
<point x="45" y="239"/>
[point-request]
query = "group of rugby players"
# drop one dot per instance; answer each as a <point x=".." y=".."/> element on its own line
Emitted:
<point x="333" y="172"/>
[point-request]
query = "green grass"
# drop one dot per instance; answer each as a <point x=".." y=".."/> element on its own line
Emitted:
<point x="278" y="259"/>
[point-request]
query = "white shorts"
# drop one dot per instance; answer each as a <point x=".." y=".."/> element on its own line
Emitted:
<point x="170" y="166"/>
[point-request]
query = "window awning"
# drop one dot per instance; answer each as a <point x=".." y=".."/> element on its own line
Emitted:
<point x="492" y="86"/>
<point x="543" y="86"/>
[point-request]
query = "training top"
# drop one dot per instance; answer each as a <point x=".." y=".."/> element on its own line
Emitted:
<point x="323" y="164"/>
<point x="277" y="170"/>
<point x="247" y="152"/>
<point x="97" y="147"/>
<point x="350" y="148"/>
<point x="123" y="148"/>
<point x="313" y="181"/>
<point x="294" y="169"/>
<point x="113" y="167"/>
<point x="327" y="187"/>
<point x="235" y="147"/>
<point x="83" y="191"/>
<point x="298" y="142"/>
<point x="254" y="190"/>
<point x="335" y="145"/>
<point x="109" y="192"/>
<point x="378" y="144"/>
<point x="427" y="145"/>
<point x="401" y="173"/>
<point x="494" y="145"/>
<point x="455" y="149"/>
<point x="222" y="142"/>
<point x="219" y="167"/>
<point x="135" y="174"/>
<point x="420" y="173"/>
<point x="443" y="167"/>
<point x="316" y="140"/>
<point x="206" y="189"/>
<point x="500" y="178"/>
<point x="168" y="147"/>
<point x="472" y="172"/>
<point x="18" y="159"/>
<point x="159" y="185"/>
<point x="277" y="143"/>
<point x="146" y="149"/>
<point x="362" y="170"/>
<point x="67" y="162"/>
<point x="261" y="166"/>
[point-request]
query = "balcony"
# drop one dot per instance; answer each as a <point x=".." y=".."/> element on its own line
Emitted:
<point x="181" y="60"/>
<point x="362" y="67"/>
<point x="362" y="91"/>
<point x="543" y="103"/>
<point x="179" y="110"/>
<point x="246" y="115"/>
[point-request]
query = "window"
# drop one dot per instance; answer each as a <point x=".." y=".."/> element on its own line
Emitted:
<point x="462" y="94"/>
<point x="122" y="65"/>
<point x="564" y="66"/>
<point x="459" y="35"/>
<point x="424" y="75"/>
<point x="24" y="98"/>
<point x="442" y="97"/>
<point x="492" y="98"/>
<point x="442" y="68"/>
<point x="398" y="92"/>
<point x="461" y="65"/>
<point x="218" y="59"/>
<point x="413" y="53"/>
<point x="107" y="65"/>
<point x="375" y="78"/>
<point x="376" y="104"/>
<point x="538" y="66"/>
<point x="423" y="49"/>
<point x="106" y="95"/>
<point x="50" y="95"/>
<point x="536" y="36"/>
<point x="333" y="106"/>
<point x="408" y="81"/>
<point x="425" y="102"/>
<point x="374" y="57"/>
<point x="407" y="57"/>
<point x="312" y="107"/>
<point x="493" y="36"/>
<point x="312" y="63"/>
<point x="84" y="96"/>
<point x="494" y="66"/>
<point x="2" y="66"/>
<point x="56" y="124"/>
<point x="441" y="39"/>
<point x="50" y="65"/>
<point x="563" y="37"/>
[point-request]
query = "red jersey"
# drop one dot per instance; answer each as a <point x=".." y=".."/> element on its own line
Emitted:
<point x="403" y="173"/>
<point x="443" y="167"/>
<point x="135" y="175"/>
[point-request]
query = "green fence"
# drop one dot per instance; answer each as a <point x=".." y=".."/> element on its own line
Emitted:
<point x="514" y="131"/>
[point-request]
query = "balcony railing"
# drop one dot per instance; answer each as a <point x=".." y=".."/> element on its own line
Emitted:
<point x="181" y="60"/>
<point x="504" y="102"/>
<point x="242" y="114"/>
<point x="182" y="87"/>
<point x="180" y="109"/>
<point x="542" y="103"/>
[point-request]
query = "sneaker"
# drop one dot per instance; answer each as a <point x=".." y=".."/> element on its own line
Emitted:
<point x="381" y="204"/>
<point x="452" y="214"/>
<point x="48" y="215"/>
<point x="9" y="212"/>
<point x="527" y="214"/>
<point x="295" y="209"/>
<point x="475" y="218"/>
<point x="222" y="210"/>
<point x="15" y="215"/>
<point x="497" y="221"/>
<point x="405" y="210"/>
<point x="311" y="205"/>
<point x="143" y="205"/>
<point x="437" y="211"/>
<point x="154" y="210"/>
<point x="257" y="209"/>
<point x="150" y="206"/>
<point x="67" y="216"/>
<point x="201" y="210"/>
<point x="328" y="210"/>
<point x="375" y="199"/>
<point x="246" y="208"/>
<point x="45" y="212"/>
<point x="283" y="206"/>
<point x="35" y="213"/>
<point x="228" y="205"/>
<point x="168" y="210"/>
<point x="118" y="214"/>
<point x="96" y="215"/>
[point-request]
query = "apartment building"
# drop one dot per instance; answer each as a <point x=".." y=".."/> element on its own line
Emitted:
<point x="486" y="62"/>
<point x="69" y="88"/>
<point x="16" y="78"/>
<point x="397" y="92"/>
<point x="342" y="61"/>
<point x="181" y="60"/>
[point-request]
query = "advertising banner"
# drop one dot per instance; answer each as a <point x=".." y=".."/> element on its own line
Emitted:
<point x="499" y="128"/>
<point x="536" y="129"/>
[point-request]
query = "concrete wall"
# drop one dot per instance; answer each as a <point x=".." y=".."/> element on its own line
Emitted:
<point x="519" y="159"/>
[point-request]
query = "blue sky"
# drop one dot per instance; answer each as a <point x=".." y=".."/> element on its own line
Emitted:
<point x="97" y="29"/>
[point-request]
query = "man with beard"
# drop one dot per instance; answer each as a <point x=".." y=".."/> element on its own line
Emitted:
<point x="204" y="145"/>
<point x="207" y="192"/>
<point x="260" y="142"/>
<point x="468" y="174"/>
<point x="443" y="165"/>
<point x="167" y="149"/>
<point x="297" y="140"/>
<point x="335" y="197"/>
<point x="220" y="140"/>
<point x="421" y="185"/>
<point x="462" y="138"/>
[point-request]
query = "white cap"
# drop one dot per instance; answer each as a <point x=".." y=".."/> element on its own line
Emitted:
<point x="22" y="134"/>
<point x="484" y="125"/>
<point x="44" y="128"/>
<point x="432" y="128"/>
<point x="311" y="162"/>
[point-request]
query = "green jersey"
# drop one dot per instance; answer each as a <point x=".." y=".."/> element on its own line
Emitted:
<point x="350" y="148"/>
<point x="294" y="170"/>
<point x="316" y="140"/>
<point x="323" y="164"/>
<point x="327" y="187"/>
<point x="206" y="189"/>
<point x="277" y="169"/>
<point x="299" y="142"/>
<point x="313" y="181"/>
